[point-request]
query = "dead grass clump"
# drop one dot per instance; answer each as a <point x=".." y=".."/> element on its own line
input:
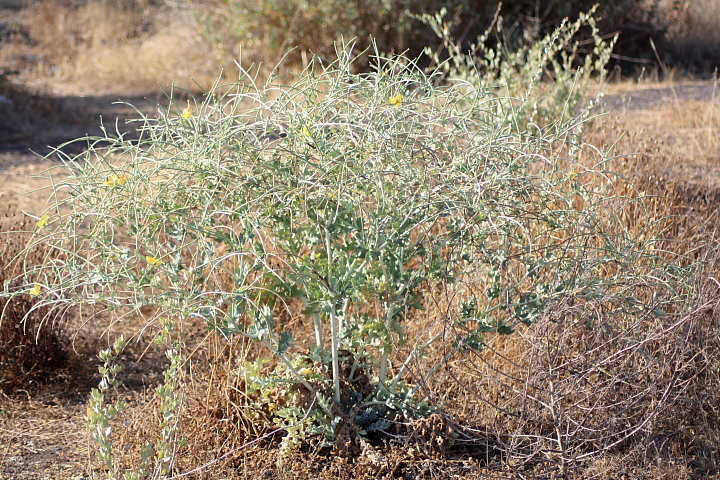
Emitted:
<point x="669" y="158"/>
<point x="685" y="134"/>
<point x="174" y="56"/>
<point x="602" y="390"/>
<point x="31" y="339"/>
<point x="635" y="465"/>
<point x="572" y="391"/>
<point x="61" y="28"/>
<point x="692" y="423"/>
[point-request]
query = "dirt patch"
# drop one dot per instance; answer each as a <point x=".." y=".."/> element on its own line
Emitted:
<point x="634" y="99"/>
<point x="42" y="438"/>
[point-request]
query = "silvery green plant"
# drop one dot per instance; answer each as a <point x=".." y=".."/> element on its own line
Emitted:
<point x="100" y="413"/>
<point x="343" y="201"/>
<point x="543" y="83"/>
<point x="156" y="458"/>
<point x="171" y="398"/>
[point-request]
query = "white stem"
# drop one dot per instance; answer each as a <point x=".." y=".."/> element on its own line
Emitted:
<point x="382" y="375"/>
<point x="343" y="315"/>
<point x="383" y="370"/>
<point x="334" y="337"/>
<point x="335" y="353"/>
<point x="406" y="364"/>
<point x="318" y="330"/>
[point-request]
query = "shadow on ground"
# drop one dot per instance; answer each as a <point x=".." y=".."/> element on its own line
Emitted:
<point x="35" y="121"/>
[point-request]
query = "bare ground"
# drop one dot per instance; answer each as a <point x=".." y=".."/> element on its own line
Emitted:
<point x="633" y="99"/>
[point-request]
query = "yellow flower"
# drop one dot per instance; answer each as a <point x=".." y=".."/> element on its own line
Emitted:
<point x="187" y="111"/>
<point x="116" y="180"/>
<point x="305" y="131"/>
<point x="396" y="100"/>
<point x="153" y="261"/>
<point x="43" y="221"/>
<point x="305" y="371"/>
<point x="35" y="290"/>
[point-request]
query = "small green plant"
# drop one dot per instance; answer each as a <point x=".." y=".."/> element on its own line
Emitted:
<point x="341" y="202"/>
<point x="100" y="414"/>
<point x="170" y="395"/>
<point x="158" y="456"/>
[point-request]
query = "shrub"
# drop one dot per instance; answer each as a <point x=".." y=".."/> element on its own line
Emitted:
<point x="259" y="31"/>
<point x="321" y="217"/>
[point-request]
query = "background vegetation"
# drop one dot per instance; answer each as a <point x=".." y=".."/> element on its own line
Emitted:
<point x="134" y="45"/>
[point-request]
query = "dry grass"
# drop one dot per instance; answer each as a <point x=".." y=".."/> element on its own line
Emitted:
<point x="31" y="339"/>
<point x="130" y="49"/>
<point x="688" y="131"/>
